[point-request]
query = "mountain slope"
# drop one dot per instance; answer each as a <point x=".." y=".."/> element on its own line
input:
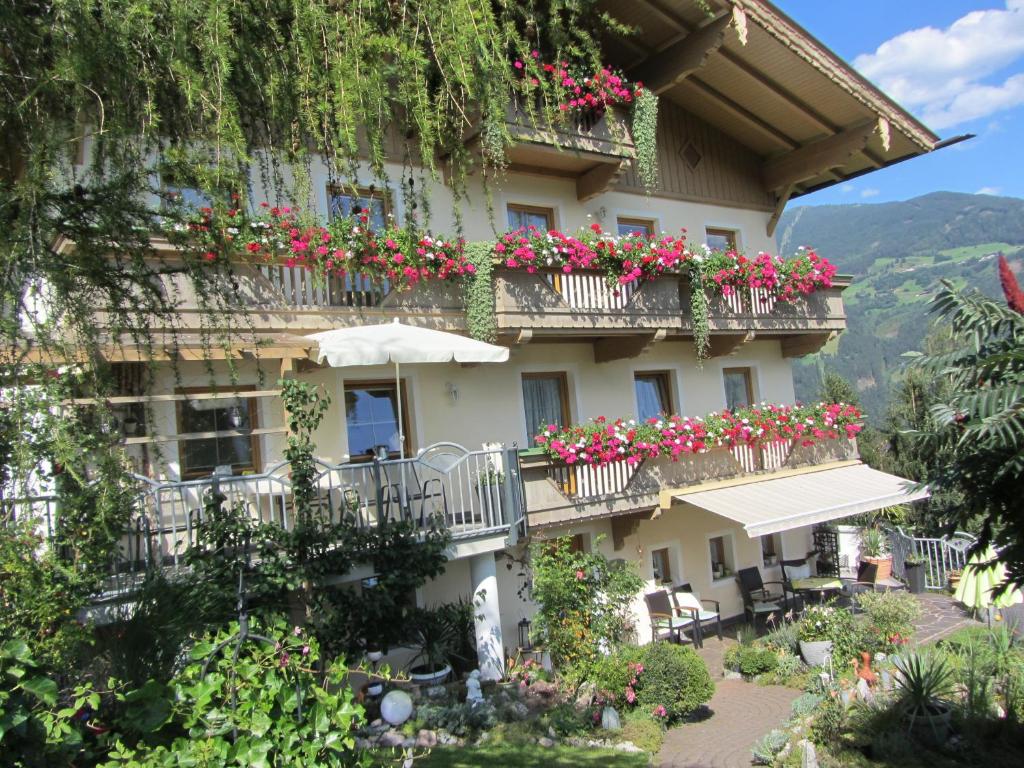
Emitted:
<point x="898" y="253"/>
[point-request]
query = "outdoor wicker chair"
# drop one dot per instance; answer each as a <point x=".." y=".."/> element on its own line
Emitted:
<point x="665" y="619"/>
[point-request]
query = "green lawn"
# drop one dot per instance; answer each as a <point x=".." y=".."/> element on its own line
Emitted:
<point x="529" y="756"/>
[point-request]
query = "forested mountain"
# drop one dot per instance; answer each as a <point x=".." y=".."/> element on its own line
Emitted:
<point x="897" y="253"/>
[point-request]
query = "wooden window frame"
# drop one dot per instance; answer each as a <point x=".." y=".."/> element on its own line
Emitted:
<point x="534" y="209"/>
<point x="749" y="372"/>
<point x="728" y="551"/>
<point x="383" y="194"/>
<point x="730" y="234"/>
<point x="563" y="388"/>
<point x="668" y="562"/>
<point x="404" y="405"/>
<point x="773" y="539"/>
<point x="666" y="378"/>
<point x="635" y="221"/>
<point x="236" y="392"/>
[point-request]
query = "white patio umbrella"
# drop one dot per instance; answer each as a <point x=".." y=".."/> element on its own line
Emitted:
<point x="398" y="343"/>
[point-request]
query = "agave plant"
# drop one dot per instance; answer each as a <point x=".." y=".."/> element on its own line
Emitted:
<point x="925" y="682"/>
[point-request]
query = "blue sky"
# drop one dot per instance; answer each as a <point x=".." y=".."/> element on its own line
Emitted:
<point x="958" y="65"/>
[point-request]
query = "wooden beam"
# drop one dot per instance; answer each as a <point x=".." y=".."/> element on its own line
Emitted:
<point x="678" y="61"/>
<point x="780" y="206"/>
<point x="804" y="344"/>
<point x="626" y="525"/>
<point x="743" y="114"/>
<point x="624" y="347"/>
<point x="598" y="179"/>
<point x="812" y="159"/>
<point x="724" y="344"/>
<point x="525" y="336"/>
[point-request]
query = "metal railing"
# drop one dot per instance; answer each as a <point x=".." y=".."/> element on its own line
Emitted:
<point x="470" y="493"/>
<point x="941" y="555"/>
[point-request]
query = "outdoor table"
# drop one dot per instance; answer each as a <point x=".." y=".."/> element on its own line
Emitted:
<point x="822" y="585"/>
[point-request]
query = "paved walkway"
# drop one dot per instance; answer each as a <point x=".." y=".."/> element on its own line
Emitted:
<point x="940" y="616"/>
<point x="742" y="713"/>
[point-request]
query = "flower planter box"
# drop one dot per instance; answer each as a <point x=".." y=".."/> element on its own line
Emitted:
<point x="884" y="565"/>
<point x="815" y="652"/>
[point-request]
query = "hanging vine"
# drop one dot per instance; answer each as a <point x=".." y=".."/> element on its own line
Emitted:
<point x="699" y="311"/>
<point x="645" y="138"/>
<point x="479" y="293"/>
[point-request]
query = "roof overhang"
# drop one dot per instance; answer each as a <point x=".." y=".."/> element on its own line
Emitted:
<point x="774" y="505"/>
<point x="755" y="74"/>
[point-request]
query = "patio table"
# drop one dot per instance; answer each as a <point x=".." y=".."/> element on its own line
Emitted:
<point x="820" y="585"/>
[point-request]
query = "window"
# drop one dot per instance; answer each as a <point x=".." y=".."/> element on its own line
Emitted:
<point x="722" y="565"/>
<point x="652" y="394"/>
<point x="720" y="239"/>
<point x="202" y="456"/>
<point x="546" y="400"/>
<point x="371" y="419"/>
<point x="661" y="564"/>
<point x="349" y="201"/>
<point x="580" y="543"/>
<point x="771" y="549"/>
<point x="739" y="387"/>
<point x="531" y="216"/>
<point x="630" y="226"/>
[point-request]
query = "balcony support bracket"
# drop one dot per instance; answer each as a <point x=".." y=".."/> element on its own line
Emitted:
<point x="674" y="64"/>
<point x="599" y="179"/>
<point x="728" y="343"/>
<point x="808" y="161"/>
<point x="805" y="344"/>
<point x="625" y="347"/>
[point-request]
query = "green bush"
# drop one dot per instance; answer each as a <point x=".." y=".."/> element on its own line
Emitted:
<point x="835" y="624"/>
<point x="643" y="730"/>
<point x="611" y="674"/>
<point x="675" y="678"/>
<point x="566" y="720"/>
<point x="828" y="721"/>
<point x="805" y="704"/>
<point x="768" y="747"/>
<point x="890" y="618"/>
<point x="784" y="637"/>
<point x="750" y="660"/>
<point x="459" y="719"/>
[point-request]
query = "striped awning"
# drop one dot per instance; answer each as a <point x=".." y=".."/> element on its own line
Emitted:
<point x="771" y="506"/>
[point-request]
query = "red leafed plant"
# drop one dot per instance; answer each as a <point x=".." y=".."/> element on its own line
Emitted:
<point x="1011" y="289"/>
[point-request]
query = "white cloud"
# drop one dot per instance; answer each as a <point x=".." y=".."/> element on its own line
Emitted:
<point x="940" y="73"/>
<point x="869" y="192"/>
<point x="989" y="191"/>
<point x="847" y="188"/>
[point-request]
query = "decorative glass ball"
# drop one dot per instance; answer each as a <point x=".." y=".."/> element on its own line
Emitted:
<point x="396" y="707"/>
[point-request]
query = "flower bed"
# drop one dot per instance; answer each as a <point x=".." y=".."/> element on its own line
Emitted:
<point x="789" y="279"/>
<point x="602" y="442"/>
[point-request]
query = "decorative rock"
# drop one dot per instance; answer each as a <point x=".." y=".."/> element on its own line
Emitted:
<point x="544" y="688"/>
<point x="610" y="719"/>
<point x="627" y="746"/>
<point x="436" y="692"/>
<point x="733" y="675"/>
<point x="544" y="741"/>
<point x="396" y="707"/>
<point x="408" y="743"/>
<point x="520" y="710"/>
<point x="810" y="755"/>
<point x="551" y="733"/>
<point x="391" y="739"/>
<point x="473" y="694"/>
<point x="377" y="723"/>
<point x="446" y="739"/>
<point x="426" y="739"/>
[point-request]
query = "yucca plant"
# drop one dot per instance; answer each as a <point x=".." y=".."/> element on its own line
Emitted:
<point x="978" y="428"/>
<point x="925" y="683"/>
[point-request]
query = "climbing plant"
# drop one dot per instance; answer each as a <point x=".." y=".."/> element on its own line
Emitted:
<point x="479" y="292"/>
<point x="645" y="138"/>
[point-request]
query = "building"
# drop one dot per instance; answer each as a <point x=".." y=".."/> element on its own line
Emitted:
<point x="754" y="113"/>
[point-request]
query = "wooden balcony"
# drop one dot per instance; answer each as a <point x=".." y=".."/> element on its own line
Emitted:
<point x="559" y="494"/>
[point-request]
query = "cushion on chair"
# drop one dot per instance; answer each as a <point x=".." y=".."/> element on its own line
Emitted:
<point x="795" y="572"/>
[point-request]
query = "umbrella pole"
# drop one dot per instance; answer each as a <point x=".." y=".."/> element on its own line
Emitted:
<point x="398" y="405"/>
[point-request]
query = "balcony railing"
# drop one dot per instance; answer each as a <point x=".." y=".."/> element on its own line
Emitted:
<point x="558" y="493"/>
<point x="472" y="494"/>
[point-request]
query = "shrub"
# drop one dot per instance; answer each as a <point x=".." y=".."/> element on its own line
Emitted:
<point x="675" y="678"/>
<point x="566" y="720"/>
<point x="805" y="704"/>
<point x="828" y="721"/>
<point x="835" y="624"/>
<point x="769" y="746"/>
<point x="612" y="674"/>
<point x="785" y="637"/>
<point x="643" y="730"/>
<point x="750" y="660"/>
<point x="458" y="719"/>
<point x="891" y="617"/>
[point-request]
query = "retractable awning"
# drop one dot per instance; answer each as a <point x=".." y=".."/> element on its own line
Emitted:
<point x="771" y="506"/>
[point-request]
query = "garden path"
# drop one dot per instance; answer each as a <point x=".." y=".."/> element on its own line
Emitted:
<point x="940" y="616"/>
<point x="741" y="713"/>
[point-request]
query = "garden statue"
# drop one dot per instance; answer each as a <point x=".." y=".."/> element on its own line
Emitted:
<point x="473" y="693"/>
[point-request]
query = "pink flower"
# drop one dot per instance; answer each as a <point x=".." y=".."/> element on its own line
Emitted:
<point x="580" y="575"/>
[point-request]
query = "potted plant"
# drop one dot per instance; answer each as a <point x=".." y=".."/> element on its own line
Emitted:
<point x="815" y="634"/>
<point x="488" y="487"/>
<point x="924" y="682"/>
<point x="913" y="568"/>
<point x="874" y="550"/>
<point x="954" y="579"/>
<point x="435" y="637"/>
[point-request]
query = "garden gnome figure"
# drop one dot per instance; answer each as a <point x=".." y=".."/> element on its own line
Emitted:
<point x="473" y="694"/>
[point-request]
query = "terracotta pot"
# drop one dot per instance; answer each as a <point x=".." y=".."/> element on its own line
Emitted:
<point x="884" y="567"/>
